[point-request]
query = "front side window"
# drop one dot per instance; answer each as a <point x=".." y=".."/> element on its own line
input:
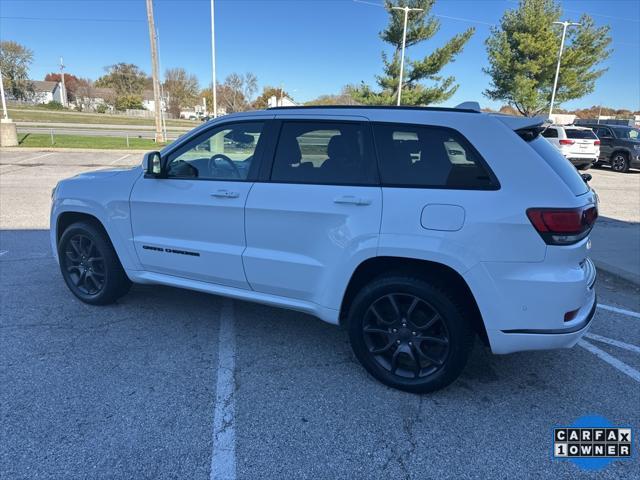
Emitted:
<point x="324" y="153"/>
<point x="225" y="153"/>
<point x="428" y="157"/>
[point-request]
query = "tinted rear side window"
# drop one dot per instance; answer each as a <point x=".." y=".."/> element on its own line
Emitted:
<point x="580" y="134"/>
<point x="337" y="153"/>
<point x="550" y="133"/>
<point x="565" y="170"/>
<point x="421" y="156"/>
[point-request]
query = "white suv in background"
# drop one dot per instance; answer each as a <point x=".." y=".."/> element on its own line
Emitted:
<point x="414" y="228"/>
<point x="579" y="145"/>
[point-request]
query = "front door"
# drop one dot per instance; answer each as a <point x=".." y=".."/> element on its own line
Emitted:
<point x="318" y="215"/>
<point x="191" y="223"/>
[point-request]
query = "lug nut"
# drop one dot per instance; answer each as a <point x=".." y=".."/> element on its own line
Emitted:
<point x="413" y="333"/>
<point x="398" y="342"/>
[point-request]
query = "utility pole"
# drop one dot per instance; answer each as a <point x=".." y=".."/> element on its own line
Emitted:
<point x="63" y="95"/>
<point x="213" y="63"/>
<point x="154" y="72"/>
<point x="565" y="25"/>
<point x="404" y="40"/>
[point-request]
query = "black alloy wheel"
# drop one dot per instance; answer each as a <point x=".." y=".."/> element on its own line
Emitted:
<point x="619" y="162"/>
<point x="84" y="264"/>
<point x="405" y="335"/>
<point x="411" y="333"/>
<point x="89" y="264"/>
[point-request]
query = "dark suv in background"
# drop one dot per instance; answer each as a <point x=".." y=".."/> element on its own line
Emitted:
<point x="619" y="145"/>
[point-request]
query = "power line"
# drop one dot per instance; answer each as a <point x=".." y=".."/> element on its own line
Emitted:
<point x="447" y="17"/>
<point x="58" y="19"/>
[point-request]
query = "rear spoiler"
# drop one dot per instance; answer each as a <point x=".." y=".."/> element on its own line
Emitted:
<point x="527" y="127"/>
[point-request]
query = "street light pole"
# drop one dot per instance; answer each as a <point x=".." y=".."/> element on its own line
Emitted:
<point x="213" y="63"/>
<point x="5" y="115"/>
<point x="404" y="40"/>
<point x="565" y="25"/>
<point x="63" y="95"/>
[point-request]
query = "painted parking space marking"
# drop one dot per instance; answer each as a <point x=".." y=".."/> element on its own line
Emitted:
<point x="611" y="360"/>
<point x="622" y="311"/>
<point x="119" y="159"/>
<point x="614" y="343"/>
<point x="37" y="157"/>
<point x="223" y="456"/>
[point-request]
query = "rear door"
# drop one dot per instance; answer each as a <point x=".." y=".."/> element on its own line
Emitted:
<point x="317" y="212"/>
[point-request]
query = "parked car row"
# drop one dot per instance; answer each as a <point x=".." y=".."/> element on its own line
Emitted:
<point x="590" y="145"/>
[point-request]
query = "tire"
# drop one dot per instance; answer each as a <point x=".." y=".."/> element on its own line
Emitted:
<point x="90" y="266"/>
<point x="430" y="327"/>
<point x="620" y="162"/>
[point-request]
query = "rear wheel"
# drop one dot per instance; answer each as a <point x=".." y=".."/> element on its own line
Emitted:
<point x="409" y="334"/>
<point x="90" y="266"/>
<point x="620" y="162"/>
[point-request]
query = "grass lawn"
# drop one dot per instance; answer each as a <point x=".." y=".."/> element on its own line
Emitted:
<point x="33" y="114"/>
<point x="80" y="141"/>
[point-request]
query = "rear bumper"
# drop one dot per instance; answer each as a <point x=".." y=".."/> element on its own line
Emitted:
<point x="583" y="161"/>
<point x="523" y="305"/>
<point x="508" y="341"/>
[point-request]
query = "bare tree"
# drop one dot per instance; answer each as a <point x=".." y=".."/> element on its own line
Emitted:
<point x="181" y="88"/>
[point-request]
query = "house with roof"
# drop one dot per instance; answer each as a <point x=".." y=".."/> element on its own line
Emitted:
<point x="44" y="91"/>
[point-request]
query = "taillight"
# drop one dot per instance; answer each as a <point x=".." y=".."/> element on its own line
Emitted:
<point x="563" y="226"/>
<point x="597" y="142"/>
<point x="567" y="142"/>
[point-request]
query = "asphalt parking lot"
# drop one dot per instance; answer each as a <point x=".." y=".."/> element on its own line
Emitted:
<point x="174" y="384"/>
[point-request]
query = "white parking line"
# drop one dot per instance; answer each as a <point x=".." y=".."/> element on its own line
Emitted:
<point x="118" y="159"/>
<point x="615" y="343"/>
<point x="223" y="457"/>
<point x="613" y="361"/>
<point x="623" y="311"/>
<point x="34" y="158"/>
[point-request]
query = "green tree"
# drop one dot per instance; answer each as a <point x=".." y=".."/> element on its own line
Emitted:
<point x="129" y="102"/>
<point x="421" y="26"/>
<point x="15" y="60"/>
<point x="523" y="52"/>
<point x="124" y="78"/>
<point x="181" y="88"/>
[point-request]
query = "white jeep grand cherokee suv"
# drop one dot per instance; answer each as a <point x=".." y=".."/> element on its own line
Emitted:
<point x="418" y="229"/>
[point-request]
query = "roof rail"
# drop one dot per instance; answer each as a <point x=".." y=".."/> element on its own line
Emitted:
<point x="378" y="107"/>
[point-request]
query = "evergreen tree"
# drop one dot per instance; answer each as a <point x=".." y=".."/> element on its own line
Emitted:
<point x="421" y="26"/>
<point x="523" y="54"/>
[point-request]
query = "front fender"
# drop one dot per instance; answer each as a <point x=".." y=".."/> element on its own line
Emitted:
<point x="105" y="199"/>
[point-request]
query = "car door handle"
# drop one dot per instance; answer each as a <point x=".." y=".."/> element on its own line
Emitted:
<point x="351" y="200"/>
<point x="225" y="194"/>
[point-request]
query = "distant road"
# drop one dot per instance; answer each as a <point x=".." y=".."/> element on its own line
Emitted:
<point x="97" y="130"/>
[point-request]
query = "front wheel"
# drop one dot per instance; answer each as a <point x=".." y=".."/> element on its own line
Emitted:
<point x="90" y="266"/>
<point x="620" y="162"/>
<point x="409" y="334"/>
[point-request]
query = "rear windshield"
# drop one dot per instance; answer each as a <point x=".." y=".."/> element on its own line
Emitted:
<point x="565" y="170"/>
<point x="575" y="133"/>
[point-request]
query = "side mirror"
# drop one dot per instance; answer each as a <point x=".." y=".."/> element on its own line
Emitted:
<point x="586" y="177"/>
<point x="152" y="164"/>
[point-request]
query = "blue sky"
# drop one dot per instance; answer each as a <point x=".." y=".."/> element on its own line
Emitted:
<point x="311" y="47"/>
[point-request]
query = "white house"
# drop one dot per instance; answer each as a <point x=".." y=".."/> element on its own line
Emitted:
<point x="45" y="91"/>
<point x="280" y="102"/>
